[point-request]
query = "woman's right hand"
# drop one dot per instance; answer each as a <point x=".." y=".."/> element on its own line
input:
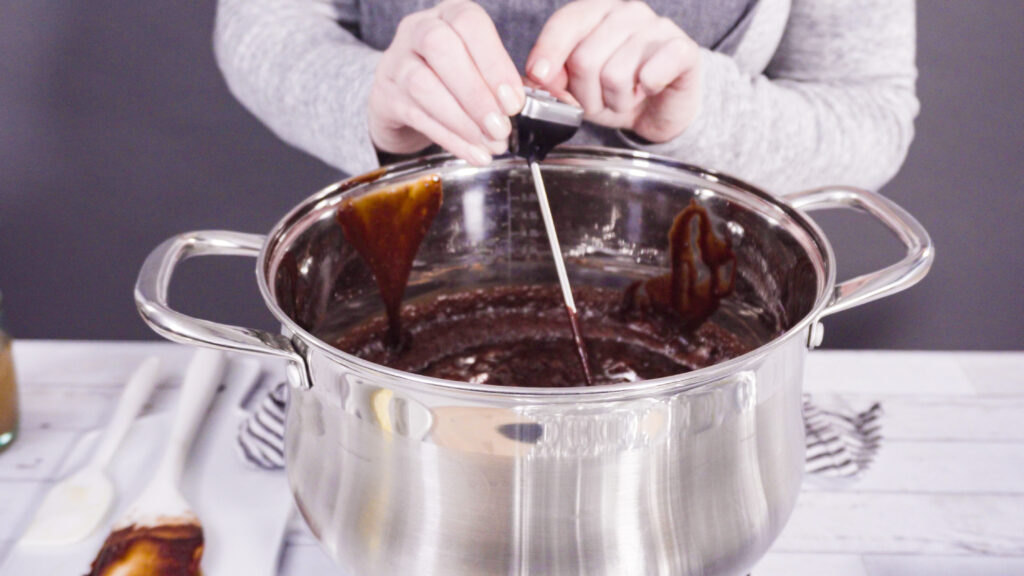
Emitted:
<point x="445" y="78"/>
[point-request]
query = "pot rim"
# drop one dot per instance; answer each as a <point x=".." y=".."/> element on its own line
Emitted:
<point x="684" y="381"/>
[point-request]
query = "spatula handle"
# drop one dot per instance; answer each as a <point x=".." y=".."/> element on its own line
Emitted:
<point x="136" y="393"/>
<point x="204" y="373"/>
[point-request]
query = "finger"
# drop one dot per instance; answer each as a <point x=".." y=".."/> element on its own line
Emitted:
<point x="484" y="45"/>
<point x="619" y="88"/>
<point x="417" y="119"/>
<point x="411" y="114"/>
<point x="426" y="90"/>
<point x="561" y="34"/>
<point x="442" y="49"/>
<point x="668" y="65"/>
<point x="619" y="77"/>
<point x="558" y="87"/>
<point x="670" y="79"/>
<point x="587" y="61"/>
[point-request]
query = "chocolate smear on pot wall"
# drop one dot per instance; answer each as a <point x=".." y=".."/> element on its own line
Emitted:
<point x="386" y="227"/>
<point x="703" y="271"/>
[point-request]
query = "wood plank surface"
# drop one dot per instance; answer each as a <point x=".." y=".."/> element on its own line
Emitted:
<point x="944" y="498"/>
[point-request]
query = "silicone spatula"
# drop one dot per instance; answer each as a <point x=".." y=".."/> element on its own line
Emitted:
<point x="78" y="504"/>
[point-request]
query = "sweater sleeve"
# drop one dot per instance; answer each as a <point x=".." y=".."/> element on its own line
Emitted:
<point x="835" y="105"/>
<point x="296" y="65"/>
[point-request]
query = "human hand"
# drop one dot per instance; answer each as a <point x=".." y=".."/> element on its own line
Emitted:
<point x="445" y="78"/>
<point x="627" y="67"/>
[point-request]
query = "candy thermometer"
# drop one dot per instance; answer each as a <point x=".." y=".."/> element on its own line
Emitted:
<point x="544" y="123"/>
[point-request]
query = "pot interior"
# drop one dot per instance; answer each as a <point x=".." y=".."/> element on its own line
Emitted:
<point x="613" y="212"/>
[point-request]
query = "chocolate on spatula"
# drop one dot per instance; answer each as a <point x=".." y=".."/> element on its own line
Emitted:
<point x="163" y="550"/>
<point x="159" y="534"/>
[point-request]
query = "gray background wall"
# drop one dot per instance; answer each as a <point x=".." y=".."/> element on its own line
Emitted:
<point x="116" y="131"/>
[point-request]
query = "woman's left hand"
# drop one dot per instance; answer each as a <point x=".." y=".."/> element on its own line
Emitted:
<point x="628" y="67"/>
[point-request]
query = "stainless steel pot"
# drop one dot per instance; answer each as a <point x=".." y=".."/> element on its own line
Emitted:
<point x="402" y="474"/>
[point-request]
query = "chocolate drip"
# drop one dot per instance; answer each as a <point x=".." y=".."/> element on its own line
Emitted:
<point x="386" y="228"/>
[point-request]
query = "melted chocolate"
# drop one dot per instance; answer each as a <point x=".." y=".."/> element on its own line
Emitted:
<point x="517" y="336"/>
<point x="166" y="550"/>
<point x="386" y="228"/>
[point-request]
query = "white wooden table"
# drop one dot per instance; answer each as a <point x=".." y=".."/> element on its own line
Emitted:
<point x="945" y="497"/>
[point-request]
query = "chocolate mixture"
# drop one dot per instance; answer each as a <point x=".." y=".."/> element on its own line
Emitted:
<point x="517" y="335"/>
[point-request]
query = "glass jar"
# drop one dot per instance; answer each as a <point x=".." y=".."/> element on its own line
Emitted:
<point x="8" y="388"/>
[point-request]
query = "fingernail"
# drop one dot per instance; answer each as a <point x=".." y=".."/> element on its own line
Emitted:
<point x="541" y="69"/>
<point x="498" y="126"/>
<point x="478" y="156"/>
<point x="497" y="146"/>
<point x="509" y="101"/>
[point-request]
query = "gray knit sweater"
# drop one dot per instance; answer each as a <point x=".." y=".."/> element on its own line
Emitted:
<point x="814" y="92"/>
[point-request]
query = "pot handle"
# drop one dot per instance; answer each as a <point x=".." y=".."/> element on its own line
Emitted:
<point x="891" y="279"/>
<point x="155" y="276"/>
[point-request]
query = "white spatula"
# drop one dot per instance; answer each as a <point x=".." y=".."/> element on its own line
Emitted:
<point x="78" y="504"/>
<point x="159" y="534"/>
